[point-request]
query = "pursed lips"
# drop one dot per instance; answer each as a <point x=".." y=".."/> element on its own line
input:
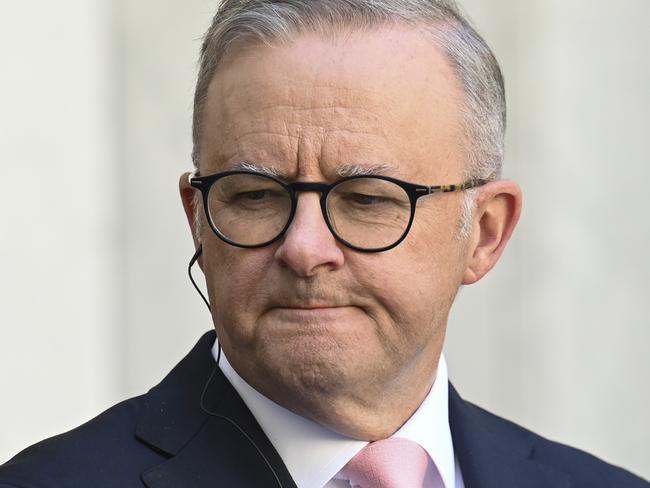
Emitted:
<point x="309" y="303"/>
<point x="310" y="306"/>
<point x="306" y="312"/>
<point x="297" y="307"/>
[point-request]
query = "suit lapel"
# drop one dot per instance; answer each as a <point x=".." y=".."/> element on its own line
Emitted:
<point x="225" y="447"/>
<point x="493" y="453"/>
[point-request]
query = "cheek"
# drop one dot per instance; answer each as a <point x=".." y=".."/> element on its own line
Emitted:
<point x="399" y="294"/>
<point x="234" y="277"/>
<point x="433" y="240"/>
<point x="415" y="283"/>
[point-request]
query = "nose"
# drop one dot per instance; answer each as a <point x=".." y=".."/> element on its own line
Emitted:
<point x="308" y="245"/>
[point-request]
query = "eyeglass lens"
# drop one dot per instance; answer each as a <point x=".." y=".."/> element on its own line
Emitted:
<point x="367" y="213"/>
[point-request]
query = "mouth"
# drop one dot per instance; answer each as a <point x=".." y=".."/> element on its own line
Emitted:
<point x="311" y="313"/>
<point x="316" y="306"/>
<point x="311" y="308"/>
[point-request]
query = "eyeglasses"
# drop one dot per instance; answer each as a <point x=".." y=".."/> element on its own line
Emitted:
<point x="366" y="213"/>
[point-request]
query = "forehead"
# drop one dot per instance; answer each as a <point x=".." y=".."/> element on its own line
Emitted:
<point x="385" y="97"/>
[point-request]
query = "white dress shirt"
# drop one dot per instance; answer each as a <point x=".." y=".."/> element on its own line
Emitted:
<point x="314" y="455"/>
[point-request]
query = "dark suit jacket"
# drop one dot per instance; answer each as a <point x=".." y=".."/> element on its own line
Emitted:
<point x="165" y="439"/>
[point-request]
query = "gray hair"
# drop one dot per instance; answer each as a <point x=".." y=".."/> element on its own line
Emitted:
<point x="280" y="21"/>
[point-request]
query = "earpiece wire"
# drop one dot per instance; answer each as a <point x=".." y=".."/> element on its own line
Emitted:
<point x="195" y="257"/>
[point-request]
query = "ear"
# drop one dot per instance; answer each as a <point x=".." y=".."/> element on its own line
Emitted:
<point x="188" y="193"/>
<point x="497" y="211"/>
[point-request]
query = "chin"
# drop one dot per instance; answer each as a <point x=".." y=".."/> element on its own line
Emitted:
<point x="306" y="371"/>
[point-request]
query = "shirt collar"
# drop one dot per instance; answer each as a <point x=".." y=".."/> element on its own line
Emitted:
<point x="314" y="454"/>
<point x="429" y="427"/>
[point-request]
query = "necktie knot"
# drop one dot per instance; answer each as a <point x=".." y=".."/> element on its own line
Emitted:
<point x="392" y="463"/>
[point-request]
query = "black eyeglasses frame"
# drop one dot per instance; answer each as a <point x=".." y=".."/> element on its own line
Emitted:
<point x="414" y="192"/>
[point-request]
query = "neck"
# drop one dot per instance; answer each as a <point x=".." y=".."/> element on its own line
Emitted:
<point x="361" y="413"/>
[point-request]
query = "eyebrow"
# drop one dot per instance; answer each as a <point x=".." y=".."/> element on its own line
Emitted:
<point x="364" y="169"/>
<point x="258" y="168"/>
<point x="343" y="171"/>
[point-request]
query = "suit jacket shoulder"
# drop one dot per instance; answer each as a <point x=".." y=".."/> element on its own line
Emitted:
<point x="494" y="452"/>
<point x="191" y="430"/>
<point x="101" y="452"/>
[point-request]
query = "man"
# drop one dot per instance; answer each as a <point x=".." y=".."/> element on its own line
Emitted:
<point x="347" y="161"/>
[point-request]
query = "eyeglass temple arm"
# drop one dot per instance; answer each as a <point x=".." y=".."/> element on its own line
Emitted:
<point x="452" y="188"/>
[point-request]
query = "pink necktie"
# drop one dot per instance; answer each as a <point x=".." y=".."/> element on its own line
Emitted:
<point x="392" y="463"/>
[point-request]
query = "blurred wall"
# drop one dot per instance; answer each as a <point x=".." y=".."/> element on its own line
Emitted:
<point x="60" y="260"/>
<point x="96" y="305"/>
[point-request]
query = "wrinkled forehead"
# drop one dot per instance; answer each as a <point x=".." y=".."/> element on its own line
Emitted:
<point x="386" y="97"/>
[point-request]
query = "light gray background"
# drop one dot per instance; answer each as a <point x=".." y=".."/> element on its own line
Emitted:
<point x="95" y="306"/>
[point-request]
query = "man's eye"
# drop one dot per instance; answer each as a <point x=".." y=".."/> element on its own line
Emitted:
<point x="253" y="195"/>
<point x="366" y="200"/>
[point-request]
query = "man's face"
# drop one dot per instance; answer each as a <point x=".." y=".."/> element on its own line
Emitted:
<point x="316" y="326"/>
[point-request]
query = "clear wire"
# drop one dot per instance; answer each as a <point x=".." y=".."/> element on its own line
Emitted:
<point x="196" y="256"/>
